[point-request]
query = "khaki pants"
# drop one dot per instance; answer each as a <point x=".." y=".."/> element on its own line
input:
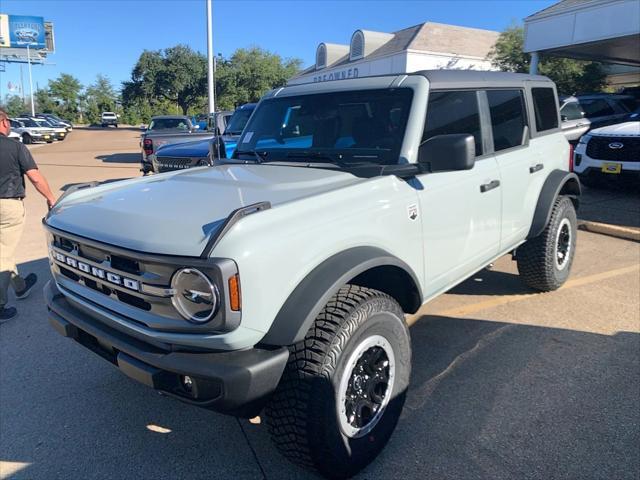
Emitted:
<point x="11" y="226"/>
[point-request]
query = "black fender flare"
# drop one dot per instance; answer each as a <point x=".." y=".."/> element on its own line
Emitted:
<point x="559" y="182"/>
<point x="311" y="295"/>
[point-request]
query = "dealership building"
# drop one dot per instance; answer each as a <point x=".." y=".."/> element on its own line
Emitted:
<point x="421" y="47"/>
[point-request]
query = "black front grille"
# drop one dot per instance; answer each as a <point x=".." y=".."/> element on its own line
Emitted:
<point x="167" y="164"/>
<point x="600" y="148"/>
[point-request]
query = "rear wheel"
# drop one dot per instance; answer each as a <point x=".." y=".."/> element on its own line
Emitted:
<point x="544" y="262"/>
<point x="344" y="387"/>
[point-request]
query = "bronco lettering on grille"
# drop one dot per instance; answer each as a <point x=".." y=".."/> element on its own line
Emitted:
<point x="96" y="272"/>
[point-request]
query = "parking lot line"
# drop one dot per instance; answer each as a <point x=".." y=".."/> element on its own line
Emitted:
<point x="494" y="302"/>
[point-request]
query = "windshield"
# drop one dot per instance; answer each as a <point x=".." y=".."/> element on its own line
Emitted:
<point x="238" y="121"/>
<point x="348" y="127"/>
<point x="27" y="122"/>
<point x="169" y="123"/>
<point x="42" y="122"/>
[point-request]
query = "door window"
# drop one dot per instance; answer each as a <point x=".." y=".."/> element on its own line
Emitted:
<point x="545" y="108"/>
<point x="453" y="112"/>
<point x="572" y="111"/>
<point x="508" y="118"/>
<point x="596" y="108"/>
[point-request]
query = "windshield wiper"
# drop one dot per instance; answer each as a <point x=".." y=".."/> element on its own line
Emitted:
<point x="260" y="157"/>
<point x="318" y="157"/>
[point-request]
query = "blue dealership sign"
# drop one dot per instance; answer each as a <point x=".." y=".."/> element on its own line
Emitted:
<point x="26" y="31"/>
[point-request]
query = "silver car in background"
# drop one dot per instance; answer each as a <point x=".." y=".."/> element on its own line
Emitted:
<point x="581" y="113"/>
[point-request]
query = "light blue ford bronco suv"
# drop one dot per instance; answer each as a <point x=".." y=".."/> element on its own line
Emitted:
<point x="278" y="280"/>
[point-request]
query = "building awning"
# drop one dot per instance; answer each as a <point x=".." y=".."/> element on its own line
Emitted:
<point x="600" y="30"/>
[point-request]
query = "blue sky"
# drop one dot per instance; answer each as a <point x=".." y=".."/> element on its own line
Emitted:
<point x="108" y="36"/>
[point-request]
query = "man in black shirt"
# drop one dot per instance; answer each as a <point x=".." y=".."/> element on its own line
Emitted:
<point x="15" y="162"/>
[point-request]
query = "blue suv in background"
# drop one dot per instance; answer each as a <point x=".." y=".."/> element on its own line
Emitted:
<point x="202" y="152"/>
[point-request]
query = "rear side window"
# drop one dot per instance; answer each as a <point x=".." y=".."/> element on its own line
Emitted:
<point x="508" y="118"/>
<point x="453" y="112"/>
<point x="629" y="104"/>
<point x="544" y="106"/>
<point x="596" y="108"/>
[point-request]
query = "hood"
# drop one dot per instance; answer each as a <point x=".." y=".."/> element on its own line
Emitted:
<point x="176" y="213"/>
<point x="198" y="148"/>
<point x="626" y="129"/>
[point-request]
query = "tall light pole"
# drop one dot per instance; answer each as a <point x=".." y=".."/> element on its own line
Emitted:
<point x="33" y="108"/>
<point x="211" y="84"/>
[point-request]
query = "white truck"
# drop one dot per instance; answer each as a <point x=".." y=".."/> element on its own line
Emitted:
<point x="279" y="279"/>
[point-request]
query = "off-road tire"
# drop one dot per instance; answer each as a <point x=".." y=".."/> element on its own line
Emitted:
<point x="26" y="139"/>
<point x="536" y="258"/>
<point x="303" y="416"/>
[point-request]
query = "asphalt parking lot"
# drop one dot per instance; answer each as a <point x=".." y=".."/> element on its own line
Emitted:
<point x="506" y="383"/>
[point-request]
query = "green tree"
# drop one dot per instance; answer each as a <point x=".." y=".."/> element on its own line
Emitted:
<point x="99" y="97"/>
<point x="45" y="103"/>
<point x="175" y="81"/>
<point x="571" y="76"/>
<point x="249" y="74"/>
<point x="66" y="89"/>
<point x="183" y="78"/>
<point x="13" y="105"/>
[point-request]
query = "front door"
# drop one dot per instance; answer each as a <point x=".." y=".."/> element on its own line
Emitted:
<point x="460" y="210"/>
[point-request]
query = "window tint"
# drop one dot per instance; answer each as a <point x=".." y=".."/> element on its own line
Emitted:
<point x="596" y="108"/>
<point x="544" y="105"/>
<point x="453" y="112"/>
<point x="508" y="118"/>
<point x="629" y="104"/>
<point x="572" y="111"/>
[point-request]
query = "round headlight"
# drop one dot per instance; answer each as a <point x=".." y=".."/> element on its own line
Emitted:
<point x="195" y="297"/>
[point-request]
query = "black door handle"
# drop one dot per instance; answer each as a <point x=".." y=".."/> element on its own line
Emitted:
<point x="536" y="168"/>
<point x="489" y="186"/>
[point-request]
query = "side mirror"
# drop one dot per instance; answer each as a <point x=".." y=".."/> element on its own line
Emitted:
<point x="564" y="118"/>
<point x="143" y="127"/>
<point x="444" y="153"/>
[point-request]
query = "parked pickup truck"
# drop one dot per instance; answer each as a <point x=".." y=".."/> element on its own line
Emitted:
<point x="203" y="152"/>
<point x="280" y="278"/>
<point x="168" y="129"/>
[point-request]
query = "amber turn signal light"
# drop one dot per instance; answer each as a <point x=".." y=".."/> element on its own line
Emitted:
<point x="235" y="300"/>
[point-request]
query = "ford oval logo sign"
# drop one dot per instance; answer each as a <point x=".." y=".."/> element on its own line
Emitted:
<point x="616" y="145"/>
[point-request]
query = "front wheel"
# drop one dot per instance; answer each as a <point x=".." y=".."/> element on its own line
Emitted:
<point x="544" y="262"/>
<point x="26" y="139"/>
<point x="344" y="387"/>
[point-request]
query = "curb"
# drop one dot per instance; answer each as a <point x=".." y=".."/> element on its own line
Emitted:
<point x="626" y="233"/>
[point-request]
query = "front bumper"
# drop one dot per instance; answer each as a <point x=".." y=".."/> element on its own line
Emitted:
<point x="233" y="382"/>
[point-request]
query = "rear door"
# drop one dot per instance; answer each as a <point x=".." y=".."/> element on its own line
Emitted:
<point x="510" y="131"/>
<point x="460" y="209"/>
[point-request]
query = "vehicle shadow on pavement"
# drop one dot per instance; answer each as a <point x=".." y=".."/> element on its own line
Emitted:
<point x="492" y="282"/>
<point x="129" y="157"/>
<point x="488" y="400"/>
